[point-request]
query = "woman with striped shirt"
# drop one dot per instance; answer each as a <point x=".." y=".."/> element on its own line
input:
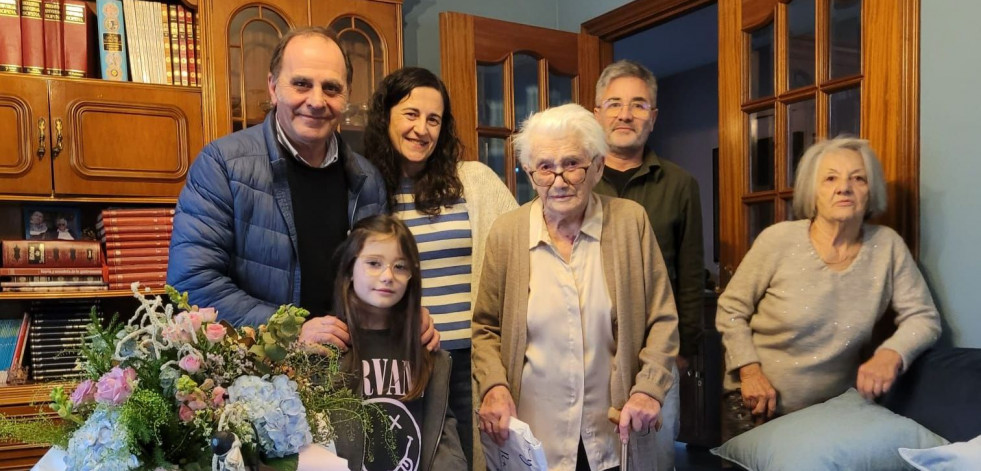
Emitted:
<point x="448" y="204"/>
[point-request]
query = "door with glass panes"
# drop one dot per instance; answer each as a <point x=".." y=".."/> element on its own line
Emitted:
<point x="796" y="71"/>
<point x="520" y="69"/>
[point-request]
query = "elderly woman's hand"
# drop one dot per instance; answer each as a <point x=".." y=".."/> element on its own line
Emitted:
<point x="323" y="331"/>
<point x="642" y="413"/>
<point x="495" y="413"/>
<point x="876" y="376"/>
<point x="758" y="393"/>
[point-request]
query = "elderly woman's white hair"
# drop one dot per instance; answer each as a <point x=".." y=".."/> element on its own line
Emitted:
<point x="805" y="184"/>
<point x="564" y="121"/>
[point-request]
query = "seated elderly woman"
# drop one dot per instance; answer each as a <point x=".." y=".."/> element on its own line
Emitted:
<point x="574" y="325"/>
<point x="804" y="300"/>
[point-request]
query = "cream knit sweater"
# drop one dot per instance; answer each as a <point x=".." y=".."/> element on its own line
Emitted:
<point x="806" y="324"/>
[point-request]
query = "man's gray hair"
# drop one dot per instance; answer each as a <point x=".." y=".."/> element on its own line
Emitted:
<point x="626" y="68"/>
<point x="805" y="184"/>
<point x="566" y="121"/>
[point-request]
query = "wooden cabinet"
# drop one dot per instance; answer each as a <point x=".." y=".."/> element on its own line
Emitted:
<point x="21" y="401"/>
<point x="244" y="33"/>
<point x="96" y="138"/>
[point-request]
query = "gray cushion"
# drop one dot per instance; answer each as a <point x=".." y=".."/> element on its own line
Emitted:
<point x="844" y="433"/>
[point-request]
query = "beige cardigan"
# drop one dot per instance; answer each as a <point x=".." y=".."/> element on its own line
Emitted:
<point x="645" y="321"/>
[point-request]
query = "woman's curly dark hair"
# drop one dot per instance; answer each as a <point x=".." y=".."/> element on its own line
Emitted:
<point x="438" y="184"/>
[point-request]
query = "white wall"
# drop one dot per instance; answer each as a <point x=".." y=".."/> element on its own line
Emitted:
<point x="950" y="163"/>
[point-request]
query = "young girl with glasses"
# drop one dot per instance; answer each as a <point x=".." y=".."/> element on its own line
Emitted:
<point x="378" y="293"/>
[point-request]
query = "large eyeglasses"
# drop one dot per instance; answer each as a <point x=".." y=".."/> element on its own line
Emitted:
<point x="571" y="175"/>
<point x="639" y="109"/>
<point x="375" y="267"/>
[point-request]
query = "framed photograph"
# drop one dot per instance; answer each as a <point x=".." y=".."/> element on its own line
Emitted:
<point x="52" y="223"/>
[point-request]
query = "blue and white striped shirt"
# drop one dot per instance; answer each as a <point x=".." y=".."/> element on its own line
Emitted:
<point x="446" y="260"/>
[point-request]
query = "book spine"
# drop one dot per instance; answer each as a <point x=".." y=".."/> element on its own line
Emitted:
<point x="144" y="252"/>
<point x="56" y="289"/>
<point x="136" y="236"/>
<point x="146" y="58"/>
<point x="165" y="37"/>
<point x="162" y="228"/>
<point x="126" y="286"/>
<point x="50" y="271"/>
<point x="197" y="47"/>
<point x="155" y="259"/>
<point x="175" y="46"/>
<point x="140" y="212"/>
<point x="137" y="244"/>
<point x="132" y="45"/>
<point x="21" y="341"/>
<point x="54" y="61"/>
<point x="11" y="57"/>
<point x="182" y="43"/>
<point x="143" y="278"/>
<point x="59" y="278"/>
<point x="192" y="66"/>
<point x="32" y="37"/>
<point x="136" y="221"/>
<point x="76" y="38"/>
<point x="60" y="253"/>
<point x="47" y="284"/>
<point x="142" y="268"/>
<point x="112" y="40"/>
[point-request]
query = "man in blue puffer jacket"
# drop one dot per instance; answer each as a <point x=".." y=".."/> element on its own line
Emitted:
<point x="264" y="208"/>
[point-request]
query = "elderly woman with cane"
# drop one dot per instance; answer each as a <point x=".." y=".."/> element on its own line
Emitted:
<point x="575" y="323"/>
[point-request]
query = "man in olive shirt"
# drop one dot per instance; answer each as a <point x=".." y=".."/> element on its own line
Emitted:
<point x="626" y="98"/>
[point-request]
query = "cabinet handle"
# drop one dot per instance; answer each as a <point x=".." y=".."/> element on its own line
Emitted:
<point x="56" y="149"/>
<point x="41" y="138"/>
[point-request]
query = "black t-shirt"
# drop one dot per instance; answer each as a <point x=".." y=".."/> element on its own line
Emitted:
<point x="619" y="179"/>
<point x="319" y="197"/>
<point x="385" y="377"/>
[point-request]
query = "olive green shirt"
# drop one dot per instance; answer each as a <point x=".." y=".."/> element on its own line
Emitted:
<point x="670" y="196"/>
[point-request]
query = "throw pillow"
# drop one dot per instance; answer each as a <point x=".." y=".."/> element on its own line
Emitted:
<point x="844" y="433"/>
<point x="954" y="457"/>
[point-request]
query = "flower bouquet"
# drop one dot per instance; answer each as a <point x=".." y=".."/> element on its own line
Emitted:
<point x="168" y="390"/>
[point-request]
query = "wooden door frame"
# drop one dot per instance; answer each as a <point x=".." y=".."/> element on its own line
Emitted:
<point x="598" y="34"/>
<point x="896" y="139"/>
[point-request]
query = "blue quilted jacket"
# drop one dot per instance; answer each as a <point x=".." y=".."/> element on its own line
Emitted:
<point x="234" y="243"/>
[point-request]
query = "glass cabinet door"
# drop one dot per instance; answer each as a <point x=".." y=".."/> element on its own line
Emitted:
<point x="253" y="34"/>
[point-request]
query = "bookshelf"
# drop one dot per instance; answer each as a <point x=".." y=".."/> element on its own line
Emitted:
<point x="129" y="144"/>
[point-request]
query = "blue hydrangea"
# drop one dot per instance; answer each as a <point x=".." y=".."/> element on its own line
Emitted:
<point x="276" y="413"/>
<point x="100" y="445"/>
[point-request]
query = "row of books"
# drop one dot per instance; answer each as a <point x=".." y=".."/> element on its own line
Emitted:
<point x="137" y="245"/>
<point x="51" y="265"/>
<point x="55" y="337"/>
<point x="138" y="40"/>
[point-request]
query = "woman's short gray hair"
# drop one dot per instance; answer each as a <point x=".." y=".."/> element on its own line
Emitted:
<point x="559" y="122"/>
<point x="805" y="184"/>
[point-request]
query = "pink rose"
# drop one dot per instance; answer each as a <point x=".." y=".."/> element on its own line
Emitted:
<point x="197" y="401"/>
<point x="174" y="334"/>
<point x="218" y="396"/>
<point x="83" y="393"/>
<point x="214" y="333"/>
<point x="185" y="413"/>
<point x="190" y="363"/>
<point x="209" y="314"/>
<point x="116" y="386"/>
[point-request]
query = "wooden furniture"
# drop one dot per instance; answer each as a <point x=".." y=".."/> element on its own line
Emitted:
<point x="94" y="143"/>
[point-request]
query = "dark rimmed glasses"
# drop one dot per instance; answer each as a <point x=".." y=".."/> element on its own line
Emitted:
<point x="571" y="175"/>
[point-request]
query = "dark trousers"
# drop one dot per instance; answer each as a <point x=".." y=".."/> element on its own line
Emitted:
<point x="460" y="399"/>
<point x="582" y="461"/>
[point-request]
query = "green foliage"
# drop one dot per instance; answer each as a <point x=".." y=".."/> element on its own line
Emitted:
<point x="99" y="345"/>
<point x="145" y="415"/>
<point x="286" y="463"/>
<point x="177" y="298"/>
<point x="277" y="335"/>
<point x="42" y="431"/>
<point x="62" y="405"/>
